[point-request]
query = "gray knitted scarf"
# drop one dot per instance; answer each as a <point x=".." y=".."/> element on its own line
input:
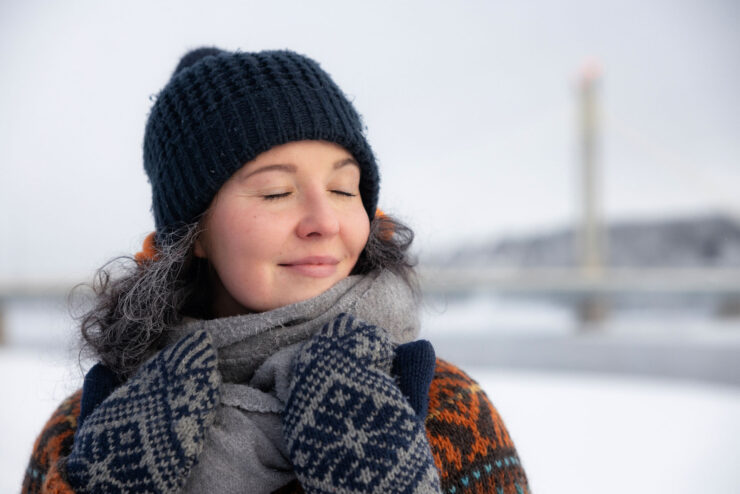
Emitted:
<point x="244" y="449"/>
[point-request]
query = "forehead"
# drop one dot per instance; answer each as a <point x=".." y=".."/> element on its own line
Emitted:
<point x="299" y="156"/>
<point x="298" y="150"/>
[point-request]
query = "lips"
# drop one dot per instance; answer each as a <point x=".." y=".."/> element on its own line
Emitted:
<point x="313" y="266"/>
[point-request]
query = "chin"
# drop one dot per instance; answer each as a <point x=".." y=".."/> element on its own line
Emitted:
<point x="309" y="293"/>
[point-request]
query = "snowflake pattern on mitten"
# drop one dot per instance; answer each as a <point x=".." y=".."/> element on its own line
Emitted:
<point x="348" y="426"/>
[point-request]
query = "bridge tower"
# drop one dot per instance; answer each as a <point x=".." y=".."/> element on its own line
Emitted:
<point x="591" y="239"/>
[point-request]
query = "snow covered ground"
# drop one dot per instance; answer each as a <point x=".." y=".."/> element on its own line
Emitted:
<point x="33" y="384"/>
<point x="575" y="433"/>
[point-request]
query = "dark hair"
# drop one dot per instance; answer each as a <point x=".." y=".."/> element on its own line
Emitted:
<point x="135" y="304"/>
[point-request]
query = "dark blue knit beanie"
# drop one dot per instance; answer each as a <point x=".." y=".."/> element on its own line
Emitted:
<point x="221" y="109"/>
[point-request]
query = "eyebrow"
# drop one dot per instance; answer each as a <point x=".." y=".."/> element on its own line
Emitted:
<point x="269" y="168"/>
<point x="345" y="162"/>
<point x="288" y="168"/>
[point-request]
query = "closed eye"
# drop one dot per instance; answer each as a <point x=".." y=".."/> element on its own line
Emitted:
<point x="272" y="197"/>
<point x="343" y="193"/>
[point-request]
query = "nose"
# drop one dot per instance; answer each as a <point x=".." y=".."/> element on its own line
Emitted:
<point x="318" y="217"/>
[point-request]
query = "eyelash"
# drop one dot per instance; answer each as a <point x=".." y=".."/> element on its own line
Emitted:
<point x="343" y="193"/>
<point x="273" y="197"/>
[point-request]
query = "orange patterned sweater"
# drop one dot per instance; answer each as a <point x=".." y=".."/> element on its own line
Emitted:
<point x="472" y="448"/>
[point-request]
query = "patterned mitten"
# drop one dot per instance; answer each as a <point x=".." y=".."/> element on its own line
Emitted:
<point x="146" y="436"/>
<point x="348" y="426"/>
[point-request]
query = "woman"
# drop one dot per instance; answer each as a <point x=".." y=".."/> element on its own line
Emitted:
<point x="263" y="341"/>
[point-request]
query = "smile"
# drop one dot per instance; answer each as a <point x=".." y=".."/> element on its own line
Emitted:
<point x="313" y="266"/>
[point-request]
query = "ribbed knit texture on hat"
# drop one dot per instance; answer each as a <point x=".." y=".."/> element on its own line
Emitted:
<point x="221" y="109"/>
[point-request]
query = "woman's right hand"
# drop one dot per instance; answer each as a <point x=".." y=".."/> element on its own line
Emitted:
<point x="146" y="436"/>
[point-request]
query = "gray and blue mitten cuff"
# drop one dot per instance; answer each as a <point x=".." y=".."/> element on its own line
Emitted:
<point x="348" y="426"/>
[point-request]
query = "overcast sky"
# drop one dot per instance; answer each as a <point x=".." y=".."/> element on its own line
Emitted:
<point x="470" y="107"/>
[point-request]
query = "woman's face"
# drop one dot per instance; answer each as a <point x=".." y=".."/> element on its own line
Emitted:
<point x="284" y="228"/>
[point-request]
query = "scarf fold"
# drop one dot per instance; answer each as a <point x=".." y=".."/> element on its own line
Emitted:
<point x="244" y="449"/>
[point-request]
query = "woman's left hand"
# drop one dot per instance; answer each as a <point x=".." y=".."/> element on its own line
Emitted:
<point x="348" y="426"/>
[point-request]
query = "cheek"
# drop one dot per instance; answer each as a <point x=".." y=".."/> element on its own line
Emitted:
<point x="242" y="238"/>
<point x="245" y="248"/>
<point x="358" y="231"/>
<point x="268" y="233"/>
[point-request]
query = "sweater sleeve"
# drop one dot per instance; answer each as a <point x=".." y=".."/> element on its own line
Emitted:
<point x="472" y="448"/>
<point x="43" y="474"/>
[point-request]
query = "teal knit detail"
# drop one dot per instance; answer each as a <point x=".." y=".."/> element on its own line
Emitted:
<point x="488" y="468"/>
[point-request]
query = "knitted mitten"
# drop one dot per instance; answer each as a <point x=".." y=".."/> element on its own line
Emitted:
<point x="146" y="436"/>
<point x="413" y="368"/>
<point x="99" y="383"/>
<point x="348" y="426"/>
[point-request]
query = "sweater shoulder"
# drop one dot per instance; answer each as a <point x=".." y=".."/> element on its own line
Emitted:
<point x="52" y="445"/>
<point x="472" y="448"/>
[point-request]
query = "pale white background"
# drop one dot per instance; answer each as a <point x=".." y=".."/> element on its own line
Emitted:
<point x="470" y="107"/>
